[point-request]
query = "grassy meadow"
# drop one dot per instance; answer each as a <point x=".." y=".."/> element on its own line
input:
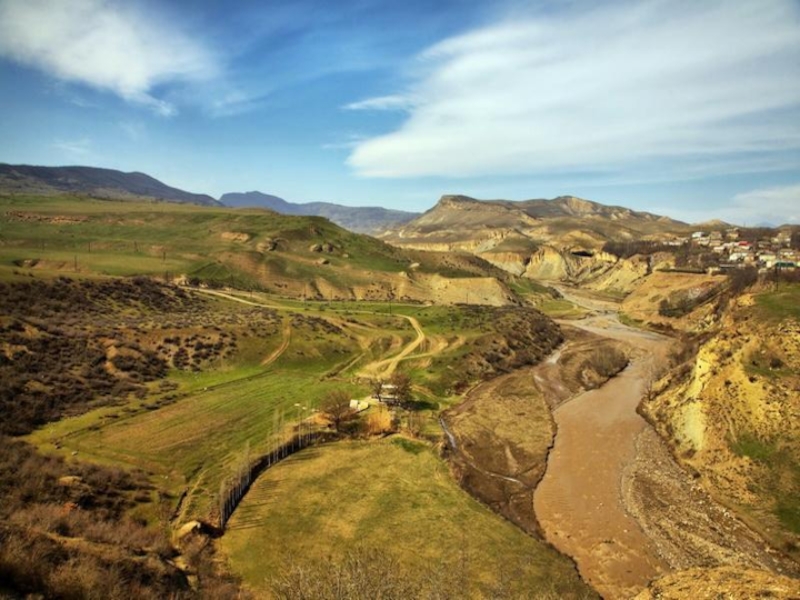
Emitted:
<point x="392" y="496"/>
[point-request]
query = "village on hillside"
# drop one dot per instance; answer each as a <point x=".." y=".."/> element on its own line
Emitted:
<point x="733" y="250"/>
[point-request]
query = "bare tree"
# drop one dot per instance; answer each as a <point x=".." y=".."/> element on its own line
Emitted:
<point x="376" y="387"/>
<point x="402" y="387"/>
<point x="336" y="406"/>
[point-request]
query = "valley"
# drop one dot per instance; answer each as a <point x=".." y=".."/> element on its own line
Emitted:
<point x="375" y="409"/>
<point x="379" y="300"/>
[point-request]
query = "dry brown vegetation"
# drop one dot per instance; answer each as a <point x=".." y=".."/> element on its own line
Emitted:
<point x="68" y="529"/>
<point x="372" y="573"/>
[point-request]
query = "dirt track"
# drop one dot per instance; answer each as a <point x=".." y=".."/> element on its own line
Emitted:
<point x="386" y="367"/>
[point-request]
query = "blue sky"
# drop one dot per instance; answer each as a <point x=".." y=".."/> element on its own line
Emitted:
<point x="685" y="108"/>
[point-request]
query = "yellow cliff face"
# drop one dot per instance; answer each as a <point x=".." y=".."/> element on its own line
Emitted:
<point x="732" y="414"/>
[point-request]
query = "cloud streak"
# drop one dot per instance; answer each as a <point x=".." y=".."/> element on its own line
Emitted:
<point x="778" y="205"/>
<point x="78" y="149"/>
<point x="672" y="85"/>
<point x="110" y="46"/>
<point x="396" y="102"/>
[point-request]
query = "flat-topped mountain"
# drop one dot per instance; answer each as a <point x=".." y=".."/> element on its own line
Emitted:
<point x="99" y="183"/>
<point x="463" y="223"/>
<point x="460" y="216"/>
<point x="360" y="219"/>
<point x="549" y="239"/>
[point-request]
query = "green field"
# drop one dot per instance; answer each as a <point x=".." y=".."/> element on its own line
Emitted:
<point x="392" y="496"/>
<point x="70" y="235"/>
<point x="192" y="442"/>
<point x="781" y="303"/>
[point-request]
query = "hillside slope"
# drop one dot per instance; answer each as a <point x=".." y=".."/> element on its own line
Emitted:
<point x="731" y="413"/>
<point x="92" y="181"/>
<point x="360" y="219"/>
<point x="293" y="256"/>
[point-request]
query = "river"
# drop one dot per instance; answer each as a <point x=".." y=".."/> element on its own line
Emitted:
<point x="579" y="502"/>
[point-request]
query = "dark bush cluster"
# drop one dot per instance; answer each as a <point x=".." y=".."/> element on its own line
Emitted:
<point x="634" y="247"/>
<point x="316" y="324"/>
<point x="46" y="376"/>
<point x="514" y="337"/>
<point x="64" y="296"/>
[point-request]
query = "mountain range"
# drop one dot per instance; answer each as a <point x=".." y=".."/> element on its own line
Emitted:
<point x="361" y="219"/>
<point x="456" y="222"/>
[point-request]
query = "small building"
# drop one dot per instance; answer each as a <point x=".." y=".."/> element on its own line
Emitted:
<point x="388" y="393"/>
<point x="786" y="265"/>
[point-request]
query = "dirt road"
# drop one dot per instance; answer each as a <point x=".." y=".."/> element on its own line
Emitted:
<point x="384" y="368"/>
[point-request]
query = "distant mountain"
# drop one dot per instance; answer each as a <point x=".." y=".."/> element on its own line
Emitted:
<point x="461" y="220"/>
<point x="99" y="183"/>
<point x="259" y="200"/>
<point x="360" y="219"/>
<point x="517" y="236"/>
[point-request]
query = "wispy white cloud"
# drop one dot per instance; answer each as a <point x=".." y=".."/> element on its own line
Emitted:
<point x="133" y="129"/>
<point x="396" y="102"/>
<point x="678" y="85"/>
<point x="106" y="44"/>
<point x="78" y="149"/>
<point x="776" y="205"/>
<point x="228" y="101"/>
<point x="352" y="140"/>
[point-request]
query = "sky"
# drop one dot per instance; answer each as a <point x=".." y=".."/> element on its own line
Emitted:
<point x="677" y="107"/>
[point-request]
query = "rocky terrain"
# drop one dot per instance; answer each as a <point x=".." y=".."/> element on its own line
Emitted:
<point x="732" y="583"/>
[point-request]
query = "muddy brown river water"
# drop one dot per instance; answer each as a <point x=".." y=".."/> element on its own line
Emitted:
<point x="579" y="502"/>
<point x="613" y="497"/>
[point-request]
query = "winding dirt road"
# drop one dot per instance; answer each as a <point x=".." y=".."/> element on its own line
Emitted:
<point x="384" y="368"/>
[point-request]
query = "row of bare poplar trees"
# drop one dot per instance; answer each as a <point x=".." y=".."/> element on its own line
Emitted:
<point x="244" y="470"/>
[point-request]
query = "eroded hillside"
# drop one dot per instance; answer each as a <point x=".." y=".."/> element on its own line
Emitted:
<point x="731" y="413"/>
<point x="559" y="239"/>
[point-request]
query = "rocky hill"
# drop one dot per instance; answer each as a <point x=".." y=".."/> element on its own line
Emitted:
<point x="360" y="219"/>
<point x="97" y="183"/>
<point x="540" y="239"/>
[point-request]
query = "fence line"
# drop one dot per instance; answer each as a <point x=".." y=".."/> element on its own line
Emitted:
<point x="232" y="490"/>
